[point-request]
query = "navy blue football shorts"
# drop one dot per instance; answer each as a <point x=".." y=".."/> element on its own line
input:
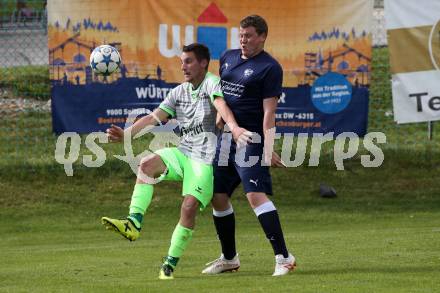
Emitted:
<point x="242" y="165"/>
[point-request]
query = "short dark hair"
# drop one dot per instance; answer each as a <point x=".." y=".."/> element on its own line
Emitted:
<point x="200" y="51"/>
<point x="257" y="22"/>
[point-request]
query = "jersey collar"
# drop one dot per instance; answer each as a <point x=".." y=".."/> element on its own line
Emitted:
<point x="195" y="93"/>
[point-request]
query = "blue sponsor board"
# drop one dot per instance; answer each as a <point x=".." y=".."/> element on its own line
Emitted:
<point x="299" y="114"/>
<point x="95" y="106"/>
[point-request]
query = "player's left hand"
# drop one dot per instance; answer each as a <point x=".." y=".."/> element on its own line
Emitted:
<point x="275" y="161"/>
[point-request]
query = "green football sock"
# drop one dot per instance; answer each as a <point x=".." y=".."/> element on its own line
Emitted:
<point x="171" y="260"/>
<point x="140" y="200"/>
<point x="179" y="241"/>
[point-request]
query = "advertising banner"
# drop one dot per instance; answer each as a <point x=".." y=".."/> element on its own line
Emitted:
<point x="324" y="49"/>
<point x="414" y="43"/>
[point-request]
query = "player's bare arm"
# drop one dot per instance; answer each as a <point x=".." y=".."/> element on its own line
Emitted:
<point x="269" y="108"/>
<point x="116" y="133"/>
<point x="240" y="135"/>
<point x="219" y="122"/>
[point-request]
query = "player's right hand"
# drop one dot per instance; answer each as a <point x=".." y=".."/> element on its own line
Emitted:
<point x="115" y="133"/>
<point x="241" y="136"/>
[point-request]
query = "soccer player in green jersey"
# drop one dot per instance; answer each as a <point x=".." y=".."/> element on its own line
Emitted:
<point x="194" y="104"/>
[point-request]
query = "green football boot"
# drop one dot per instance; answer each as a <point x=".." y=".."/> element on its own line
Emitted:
<point x="166" y="272"/>
<point x="125" y="227"/>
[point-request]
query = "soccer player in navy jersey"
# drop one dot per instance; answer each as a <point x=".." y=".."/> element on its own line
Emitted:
<point x="251" y="84"/>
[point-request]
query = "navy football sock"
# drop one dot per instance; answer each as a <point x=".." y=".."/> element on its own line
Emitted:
<point x="225" y="227"/>
<point x="272" y="228"/>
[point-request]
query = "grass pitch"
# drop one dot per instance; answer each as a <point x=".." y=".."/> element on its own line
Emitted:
<point x="381" y="234"/>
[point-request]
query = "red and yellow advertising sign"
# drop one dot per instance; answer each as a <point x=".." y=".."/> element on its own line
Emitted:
<point x="151" y="33"/>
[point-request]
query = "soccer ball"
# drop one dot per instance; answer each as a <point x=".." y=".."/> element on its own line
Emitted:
<point x="105" y="60"/>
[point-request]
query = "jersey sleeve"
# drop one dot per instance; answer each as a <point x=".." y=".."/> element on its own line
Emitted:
<point x="273" y="82"/>
<point x="214" y="88"/>
<point x="169" y="103"/>
<point x="221" y="62"/>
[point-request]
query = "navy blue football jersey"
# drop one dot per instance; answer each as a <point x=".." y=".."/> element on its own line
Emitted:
<point x="246" y="83"/>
